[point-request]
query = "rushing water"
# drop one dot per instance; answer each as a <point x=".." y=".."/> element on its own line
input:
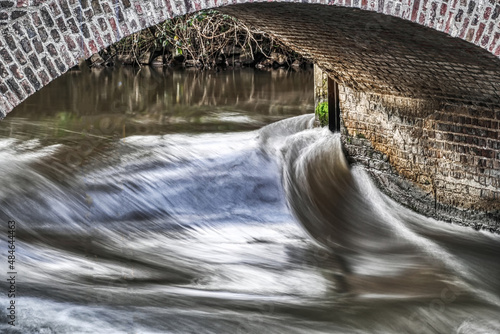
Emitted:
<point x="207" y="203"/>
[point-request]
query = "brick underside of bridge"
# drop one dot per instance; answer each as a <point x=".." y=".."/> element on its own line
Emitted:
<point x="420" y="86"/>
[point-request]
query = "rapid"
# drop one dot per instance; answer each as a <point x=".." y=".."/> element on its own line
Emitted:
<point x="262" y="227"/>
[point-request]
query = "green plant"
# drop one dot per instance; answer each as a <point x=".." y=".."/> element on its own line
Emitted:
<point x="360" y="135"/>
<point x="322" y="112"/>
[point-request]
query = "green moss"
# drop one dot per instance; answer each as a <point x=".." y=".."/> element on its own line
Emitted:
<point x="322" y="112"/>
<point x="360" y="135"/>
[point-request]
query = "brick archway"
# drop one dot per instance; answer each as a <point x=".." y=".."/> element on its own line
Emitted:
<point x="41" y="39"/>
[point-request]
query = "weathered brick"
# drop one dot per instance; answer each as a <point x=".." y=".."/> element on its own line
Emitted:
<point x="79" y="15"/>
<point x="65" y="8"/>
<point x="50" y="67"/>
<point x="70" y="43"/>
<point x="55" y="35"/>
<point x="14" y="87"/>
<point x="73" y="26"/>
<point x="3" y="88"/>
<point x="60" y="65"/>
<point x="34" y="61"/>
<point x="470" y="9"/>
<point x="6" y="56"/>
<point x="61" y="25"/>
<point x="6" y="4"/>
<point x="114" y="27"/>
<point x="133" y="25"/>
<point x="102" y="24"/>
<point x="96" y="7"/>
<point x="20" y="57"/>
<point x="83" y="47"/>
<point x="36" y="19"/>
<point x="17" y="14"/>
<point x="496" y="12"/>
<point x="43" y="34"/>
<point x="54" y="8"/>
<point x="25" y="44"/>
<point x="85" y="30"/>
<point x="89" y="14"/>
<point x="138" y="8"/>
<point x="67" y="59"/>
<point x="9" y="39"/>
<point x="93" y="47"/>
<point x="44" y="77"/>
<point x="46" y="17"/>
<point x="97" y="36"/>
<point x="108" y="39"/>
<point x="107" y="9"/>
<point x="3" y="71"/>
<point x="119" y="14"/>
<point x="124" y="29"/>
<point x="38" y="45"/>
<point x="52" y="50"/>
<point x="27" y="87"/>
<point x="30" y="30"/>
<point x="379" y="114"/>
<point x="18" y="30"/>
<point x="5" y="107"/>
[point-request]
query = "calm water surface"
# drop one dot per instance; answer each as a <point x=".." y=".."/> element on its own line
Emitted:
<point x="154" y="201"/>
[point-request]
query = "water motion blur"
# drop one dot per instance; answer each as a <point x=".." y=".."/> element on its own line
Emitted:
<point x="226" y="214"/>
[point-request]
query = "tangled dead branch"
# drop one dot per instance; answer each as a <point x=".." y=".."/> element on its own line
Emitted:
<point x="205" y="39"/>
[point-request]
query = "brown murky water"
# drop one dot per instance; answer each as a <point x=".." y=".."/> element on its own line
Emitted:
<point x="129" y="101"/>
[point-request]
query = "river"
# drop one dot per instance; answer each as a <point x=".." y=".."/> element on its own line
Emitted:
<point x="151" y="201"/>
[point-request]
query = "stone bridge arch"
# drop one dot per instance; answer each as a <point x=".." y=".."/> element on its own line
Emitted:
<point x="419" y="79"/>
<point x="41" y="39"/>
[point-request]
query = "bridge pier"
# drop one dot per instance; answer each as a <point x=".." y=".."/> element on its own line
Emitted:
<point x="440" y="159"/>
<point x="326" y="100"/>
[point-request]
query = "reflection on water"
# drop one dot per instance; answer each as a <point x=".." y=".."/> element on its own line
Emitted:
<point x="155" y="101"/>
<point x="204" y="225"/>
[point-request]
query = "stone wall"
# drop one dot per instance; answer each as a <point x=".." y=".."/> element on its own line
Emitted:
<point x="450" y="152"/>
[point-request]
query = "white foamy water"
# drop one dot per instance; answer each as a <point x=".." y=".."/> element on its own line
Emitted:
<point x="268" y="231"/>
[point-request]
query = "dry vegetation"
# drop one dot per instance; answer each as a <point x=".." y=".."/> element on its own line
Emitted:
<point x="206" y="39"/>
